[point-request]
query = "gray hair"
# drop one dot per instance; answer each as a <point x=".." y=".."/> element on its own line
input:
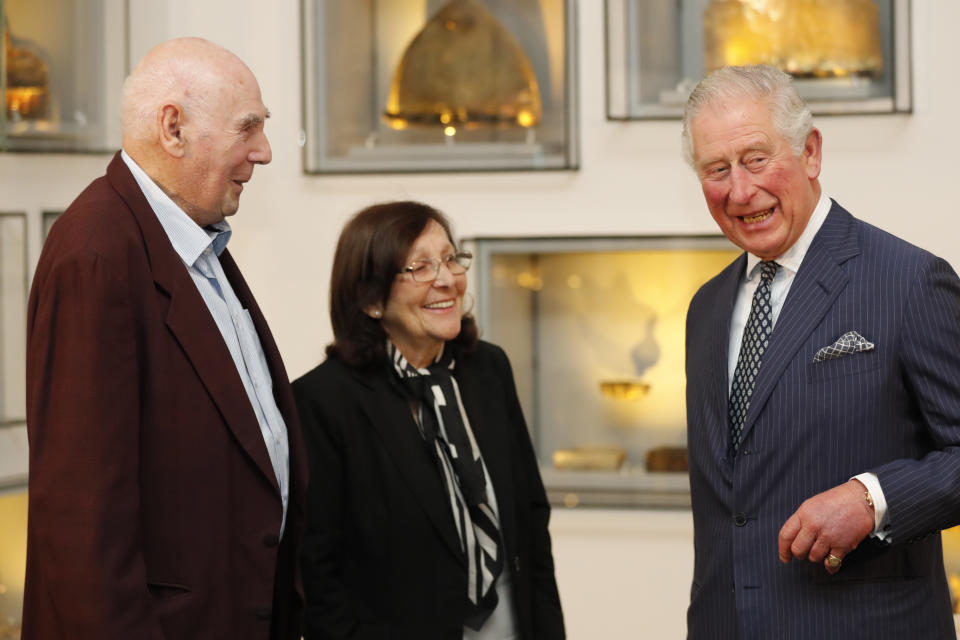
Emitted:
<point x="790" y="114"/>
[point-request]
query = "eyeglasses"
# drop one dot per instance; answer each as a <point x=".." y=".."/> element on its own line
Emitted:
<point x="428" y="269"/>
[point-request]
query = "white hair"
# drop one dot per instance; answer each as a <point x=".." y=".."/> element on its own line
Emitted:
<point x="790" y="114"/>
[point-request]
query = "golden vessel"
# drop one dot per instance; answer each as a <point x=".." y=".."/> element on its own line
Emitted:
<point x="463" y="69"/>
<point x="806" y="38"/>
<point x="27" y="91"/>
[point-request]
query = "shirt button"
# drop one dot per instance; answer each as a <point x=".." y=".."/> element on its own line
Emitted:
<point x="740" y="519"/>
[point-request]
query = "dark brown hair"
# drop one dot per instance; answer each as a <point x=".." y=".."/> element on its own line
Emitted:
<point x="370" y="253"/>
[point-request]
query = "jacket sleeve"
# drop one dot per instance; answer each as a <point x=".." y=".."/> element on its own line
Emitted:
<point x="329" y="612"/>
<point x="923" y="490"/>
<point x="85" y="560"/>
<point x="547" y="615"/>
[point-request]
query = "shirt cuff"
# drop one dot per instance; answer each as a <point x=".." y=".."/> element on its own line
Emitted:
<point x="881" y="523"/>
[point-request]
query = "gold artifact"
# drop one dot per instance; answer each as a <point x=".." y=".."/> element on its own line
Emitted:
<point x="624" y="389"/>
<point x="463" y="69"/>
<point x="806" y="38"/>
<point x="27" y="91"/>
<point x="589" y="458"/>
<point x="667" y="459"/>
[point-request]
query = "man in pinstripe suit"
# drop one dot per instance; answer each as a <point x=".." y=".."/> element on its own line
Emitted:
<point x="823" y="393"/>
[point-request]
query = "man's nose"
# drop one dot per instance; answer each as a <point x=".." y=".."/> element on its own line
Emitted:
<point x="742" y="187"/>
<point x="261" y="153"/>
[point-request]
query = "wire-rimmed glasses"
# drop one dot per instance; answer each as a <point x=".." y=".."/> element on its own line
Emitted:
<point x="428" y="269"/>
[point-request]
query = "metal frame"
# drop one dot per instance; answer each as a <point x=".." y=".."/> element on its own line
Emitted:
<point x="413" y="158"/>
<point x="621" y="49"/>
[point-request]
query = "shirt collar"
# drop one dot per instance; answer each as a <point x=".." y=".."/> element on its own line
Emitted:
<point x="188" y="238"/>
<point x="794" y="256"/>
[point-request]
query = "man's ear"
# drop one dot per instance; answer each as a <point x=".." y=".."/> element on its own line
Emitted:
<point x="171" y="132"/>
<point x="812" y="153"/>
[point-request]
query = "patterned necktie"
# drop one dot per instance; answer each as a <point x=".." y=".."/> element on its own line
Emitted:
<point x="756" y="337"/>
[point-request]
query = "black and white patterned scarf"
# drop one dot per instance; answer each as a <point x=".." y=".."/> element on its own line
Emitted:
<point x="444" y="424"/>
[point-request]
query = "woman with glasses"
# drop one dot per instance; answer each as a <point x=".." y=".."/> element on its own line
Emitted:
<point x="427" y="517"/>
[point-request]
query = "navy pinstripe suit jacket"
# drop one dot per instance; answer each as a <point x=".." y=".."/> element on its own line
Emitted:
<point x="894" y="410"/>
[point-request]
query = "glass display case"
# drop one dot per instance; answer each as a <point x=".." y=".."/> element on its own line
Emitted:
<point x="61" y="71"/>
<point x="13" y="318"/>
<point x="13" y="561"/>
<point x="847" y="56"/>
<point x="594" y="328"/>
<point x="47" y="219"/>
<point x="951" y="560"/>
<point x="439" y="85"/>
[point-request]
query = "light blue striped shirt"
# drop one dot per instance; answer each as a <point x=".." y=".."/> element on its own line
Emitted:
<point x="199" y="249"/>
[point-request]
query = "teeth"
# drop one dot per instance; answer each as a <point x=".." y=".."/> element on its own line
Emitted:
<point x="440" y="305"/>
<point x="760" y="216"/>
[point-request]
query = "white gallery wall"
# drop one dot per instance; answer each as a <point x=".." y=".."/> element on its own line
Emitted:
<point x="622" y="574"/>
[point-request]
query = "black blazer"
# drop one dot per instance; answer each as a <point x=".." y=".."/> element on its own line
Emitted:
<point x="381" y="557"/>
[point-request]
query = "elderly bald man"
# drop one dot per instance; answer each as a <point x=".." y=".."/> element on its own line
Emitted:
<point x="166" y="464"/>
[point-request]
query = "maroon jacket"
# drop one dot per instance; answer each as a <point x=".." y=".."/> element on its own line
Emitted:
<point x="154" y="509"/>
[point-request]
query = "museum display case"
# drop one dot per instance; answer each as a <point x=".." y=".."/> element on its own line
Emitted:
<point x="61" y="71"/>
<point x="13" y="317"/>
<point x="594" y="328"/>
<point x="847" y="56"/>
<point x="13" y="561"/>
<point x="439" y="85"/>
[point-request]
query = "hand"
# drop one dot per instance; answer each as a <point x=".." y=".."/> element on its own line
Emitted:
<point x="833" y="522"/>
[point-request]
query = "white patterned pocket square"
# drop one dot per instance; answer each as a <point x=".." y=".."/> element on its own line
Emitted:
<point x="849" y="343"/>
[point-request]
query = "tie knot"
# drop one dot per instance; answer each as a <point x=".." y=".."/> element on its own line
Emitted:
<point x="768" y="269"/>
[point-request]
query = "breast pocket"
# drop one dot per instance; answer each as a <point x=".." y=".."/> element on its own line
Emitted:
<point x="847" y="365"/>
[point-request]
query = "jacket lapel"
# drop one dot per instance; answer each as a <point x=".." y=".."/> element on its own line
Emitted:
<point x="815" y="288"/>
<point x="389" y="415"/>
<point x="282" y="393"/>
<point x="192" y="325"/>
<point x="490" y="424"/>
<point x="719" y="355"/>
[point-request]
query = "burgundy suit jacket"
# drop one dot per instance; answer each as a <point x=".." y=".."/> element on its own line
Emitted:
<point x="154" y="509"/>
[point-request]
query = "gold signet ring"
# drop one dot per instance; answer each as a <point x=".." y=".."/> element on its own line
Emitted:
<point x="833" y="561"/>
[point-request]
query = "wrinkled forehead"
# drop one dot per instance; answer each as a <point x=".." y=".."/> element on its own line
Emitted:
<point x="731" y="122"/>
<point x="236" y="99"/>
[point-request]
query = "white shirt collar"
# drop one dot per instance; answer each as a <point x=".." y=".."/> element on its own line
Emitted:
<point x="188" y="238"/>
<point x="794" y="256"/>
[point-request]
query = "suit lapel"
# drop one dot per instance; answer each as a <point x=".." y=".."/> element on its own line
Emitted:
<point x="815" y="288"/>
<point x="282" y="393"/>
<point x="190" y="322"/>
<point x="719" y="354"/>
<point x="390" y="416"/>
<point x="489" y="425"/>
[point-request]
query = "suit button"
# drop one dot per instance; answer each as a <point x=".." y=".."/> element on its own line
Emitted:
<point x="271" y="540"/>
<point x="740" y="519"/>
<point x="262" y="613"/>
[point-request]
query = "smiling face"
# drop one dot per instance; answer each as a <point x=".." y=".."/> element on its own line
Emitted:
<point x="224" y="144"/>
<point x="420" y="316"/>
<point x="758" y="191"/>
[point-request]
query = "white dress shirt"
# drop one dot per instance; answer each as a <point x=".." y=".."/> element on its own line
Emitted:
<point x="199" y="249"/>
<point x="789" y="265"/>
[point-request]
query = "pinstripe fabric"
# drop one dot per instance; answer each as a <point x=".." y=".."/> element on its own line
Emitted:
<point x="893" y="410"/>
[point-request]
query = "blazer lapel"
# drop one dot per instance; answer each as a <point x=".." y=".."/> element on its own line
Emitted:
<point x="815" y="288"/>
<point x="282" y="393"/>
<point x="719" y="356"/>
<point x="489" y="425"/>
<point x="390" y="417"/>
<point x="192" y="325"/>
